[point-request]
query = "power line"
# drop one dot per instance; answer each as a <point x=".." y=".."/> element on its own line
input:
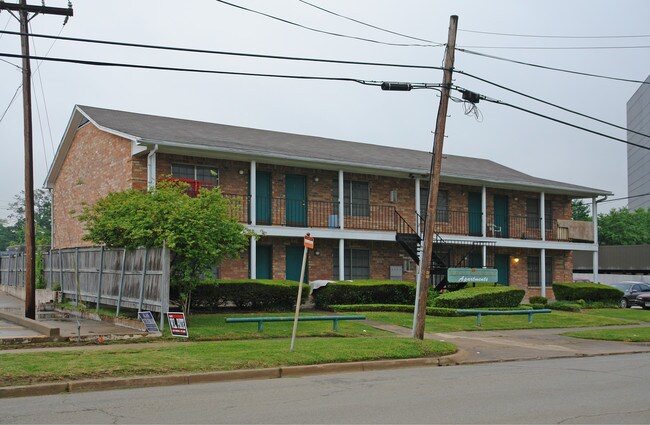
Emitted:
<point x="202" y="71"/>
<point x="624" y="198"/>
<point x="11" y="102"/>
<point x="552" y="104"/>
<point x="219" y="52"/>
<point x="369" y="25"/>
<point x="499" y="102"/>
<point x="551" y="68"/>
<point x="556" y="36"/>
<point x="286" y="21"/>
<point x="557" y="47"/>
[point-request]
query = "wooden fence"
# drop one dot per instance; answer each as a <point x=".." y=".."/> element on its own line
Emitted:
<point x="137" y="279"/>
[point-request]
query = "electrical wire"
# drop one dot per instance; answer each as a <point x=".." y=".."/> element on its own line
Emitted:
<point x="434" y="44"/>
<point x="218" y="52"/>
<point x="286" y="21"/>
<point x="499" y="102"/>
<point x="10" y="103"/>
<point x="551" y="68"/>
<point x="556" y="47"/>
<point x="624" y="198"/>
<point x="555" y="36"/>
<point x="551" y="104"/>
<point x="201" y="71"/>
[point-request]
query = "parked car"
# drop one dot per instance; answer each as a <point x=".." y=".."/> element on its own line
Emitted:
<point x="643" y="299"/>
<point x="631" y="291"/>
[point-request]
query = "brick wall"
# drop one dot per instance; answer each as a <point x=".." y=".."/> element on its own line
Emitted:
<point x="97" y="164"/>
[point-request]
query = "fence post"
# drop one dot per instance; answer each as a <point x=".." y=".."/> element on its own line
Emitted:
<point x="144" y="273"/>
<point x="61" y="272"/>
<point x="51" y="275"/>
<point x="119" y="292"/>
<point x="23" y="270"/>
<point x="76" y="275"/>
<point x="101" y="270"/>
<point x="164" y="286"/>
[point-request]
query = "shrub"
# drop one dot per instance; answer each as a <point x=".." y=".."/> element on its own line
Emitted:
<point x="564" y="306"/>
<point x="589" y="292"/>
<point x="248" y="294"/>
<point x="538" y="306"/>
<point x="365" y="292"/>
<point x="431" y="311"/>
<point x="481" y="297"/>
<point x="538" y="300"/>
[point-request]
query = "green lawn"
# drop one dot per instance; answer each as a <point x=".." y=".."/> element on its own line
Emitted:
<point x="634" y="314"/>
<point x="626" y="334"/>
<point x="213" y="327"/>
<point x="30" y="368"/>
<point x="555" y="319"/>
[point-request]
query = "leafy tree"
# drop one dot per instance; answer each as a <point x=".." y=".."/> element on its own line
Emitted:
<point x="7" y="235"/>
<point x="42" y="216"/>
<point x="580" y="210"/>
<point x="624" y="227"/>
<point x="200" y="231"/>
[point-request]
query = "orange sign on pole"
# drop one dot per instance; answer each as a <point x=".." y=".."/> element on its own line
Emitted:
<point x="309" y="241"/>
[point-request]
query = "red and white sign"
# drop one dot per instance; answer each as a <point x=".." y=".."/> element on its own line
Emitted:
<point x="309" y="242"/>
<point x="177" y="324"/>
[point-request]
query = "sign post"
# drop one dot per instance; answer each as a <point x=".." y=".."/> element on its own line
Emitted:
<point x="309" y="244"/>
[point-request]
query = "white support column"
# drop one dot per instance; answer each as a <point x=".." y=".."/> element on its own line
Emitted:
<point x="484" y="213"/>
<point x="542" y="210"/>
<point x="341" y="259"/>
<point x="417" y="206"/>
<point x="253" y="191"/>
<point x="341" y="201"/>
<point x="151" y="168"/>
<point x="542" y="270"/>
<point x="594" y="211"/>
<point x="484" y="256"/>
<point x="253" y="258"/>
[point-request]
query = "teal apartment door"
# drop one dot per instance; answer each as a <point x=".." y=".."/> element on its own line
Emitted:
<point x="502" y="264"/>
<point x="296" y="200"/>
<point x="501" y="218"/>
<point x="264" y="268"/>
<point x="263" y="198"/>
<point x="475" y="213"/>
<point x="294" y="263"/>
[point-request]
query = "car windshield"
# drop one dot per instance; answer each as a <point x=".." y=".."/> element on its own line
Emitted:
<point x="622" y="286"/>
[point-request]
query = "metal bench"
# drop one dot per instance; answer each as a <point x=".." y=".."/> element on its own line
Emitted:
<point x="261" y="320"/>
<point x="479" y="313"/>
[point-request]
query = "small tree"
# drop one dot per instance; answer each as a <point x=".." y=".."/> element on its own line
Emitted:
<point x="200" y="231"/>
<point x="624" y="227"/>
<point x="580" y="211"/>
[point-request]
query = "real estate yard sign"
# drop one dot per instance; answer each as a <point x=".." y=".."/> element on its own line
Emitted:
<point x="177" y="324"/>
<point x="149" y="321"/>
<point x="456" y="275"/>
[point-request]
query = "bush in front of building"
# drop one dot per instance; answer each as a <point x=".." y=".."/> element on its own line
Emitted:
<point x="258" y="294"/>
<point x="402" y="308"/>
<point x="537" y="299"/>
<point x="364" y="292"/>
<point x="481" y="297"/>
<point x="589" y="292"/>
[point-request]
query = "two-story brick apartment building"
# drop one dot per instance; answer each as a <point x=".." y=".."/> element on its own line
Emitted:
<point x="361" y="202"/>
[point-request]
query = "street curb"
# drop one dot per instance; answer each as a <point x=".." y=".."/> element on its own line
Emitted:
<point x="197" y="378"/>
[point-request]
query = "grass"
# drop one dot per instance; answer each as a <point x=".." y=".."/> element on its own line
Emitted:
<point x="625" y="335"/>
<point x="213" y="327"/>
<point x="634" y="314"/>
<point x="192" y="357"/>
<point x="556" y="319"/>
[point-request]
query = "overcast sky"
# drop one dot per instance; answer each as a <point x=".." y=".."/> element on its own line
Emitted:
<point x="345" y="110"/>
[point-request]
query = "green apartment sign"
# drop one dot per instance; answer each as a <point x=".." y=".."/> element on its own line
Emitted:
<point x="456" y="275"/>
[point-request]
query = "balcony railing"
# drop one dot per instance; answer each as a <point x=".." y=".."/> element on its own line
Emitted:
<point x="325" y="214"/>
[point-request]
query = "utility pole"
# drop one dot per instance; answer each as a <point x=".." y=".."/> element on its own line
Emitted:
<point x="23" y="10"/>
<point x="434" y="181"/>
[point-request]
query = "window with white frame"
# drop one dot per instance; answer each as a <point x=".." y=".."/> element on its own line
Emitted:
<point x="208" y="176"/>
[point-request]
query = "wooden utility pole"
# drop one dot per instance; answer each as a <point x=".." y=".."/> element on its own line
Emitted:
<point x="434" y="181"/>
<point x="23" y="10"/>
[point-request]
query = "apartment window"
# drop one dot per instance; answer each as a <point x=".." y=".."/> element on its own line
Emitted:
<point x="548" y="215"/>
<point x="533" y="217"/>
<point x="442" y="210"/>
<point x="208" y="176"/>
<point x="356" y="197"/>
<point x="534" y="272"/>
<point x="357" y="264"/>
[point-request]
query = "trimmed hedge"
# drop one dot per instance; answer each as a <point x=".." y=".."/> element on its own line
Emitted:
<point x="431" y="311"/>
<point x="256" y="294"/>
<point x="589" y="292"/>
<point x="536" y="299"/>
<point x="487" y="297"/>
<point x="364" y="292"/>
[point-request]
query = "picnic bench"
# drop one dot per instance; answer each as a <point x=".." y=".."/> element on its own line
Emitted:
<point x="261" y="320"/>
<point x="479" y="313"/>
